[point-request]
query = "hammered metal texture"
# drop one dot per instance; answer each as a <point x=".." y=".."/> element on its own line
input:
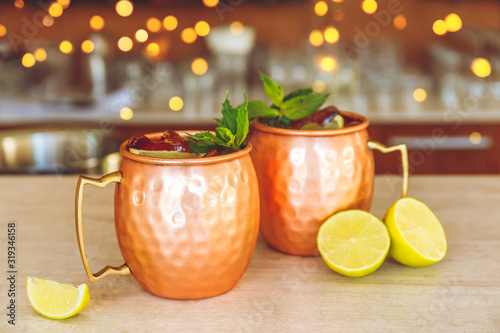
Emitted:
<point x="306" y="176"/>
<point x="187" y="231"/>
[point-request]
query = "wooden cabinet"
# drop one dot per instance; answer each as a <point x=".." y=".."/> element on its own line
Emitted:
<point x="440" y="149"/>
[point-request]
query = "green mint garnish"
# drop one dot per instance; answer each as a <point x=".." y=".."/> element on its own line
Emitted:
<point x="296" y="105"/>
<point x="231" y="132"/>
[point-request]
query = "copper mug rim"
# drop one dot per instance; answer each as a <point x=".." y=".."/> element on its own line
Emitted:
<point x="331" y="132"/>
<point x="183" y="161"/>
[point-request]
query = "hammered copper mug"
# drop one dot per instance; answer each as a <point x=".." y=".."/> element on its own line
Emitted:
<point x="187" y="228"/>
<point x="307" y="175"/>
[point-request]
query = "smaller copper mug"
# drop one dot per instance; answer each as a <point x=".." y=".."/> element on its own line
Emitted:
<point x="307" y="175"/>
<point x="187" y="228"/>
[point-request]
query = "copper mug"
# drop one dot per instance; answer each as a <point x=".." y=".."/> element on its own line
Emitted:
<point x="187" y="228"/>
<point x="307" y="175"/>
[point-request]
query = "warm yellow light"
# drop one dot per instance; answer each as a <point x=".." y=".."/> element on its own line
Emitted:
<point x="481" y="67"/>
<point x="321" y="8"/>
<point x="170" y="23"/>
<point x="400" y="22"/>
<point x="153" y="24"/>
<point x="338" y="1"/>
<point x="55" y="9"/>
<point x="28" y="60"/>
<point x="210" y="3"/>
<point x="236" y="28"/>
<point x="96" y="23"/>
<point x="176" y="103"/>
<point x="40" y="54"/>
<point x="328" y="63"/>
<point x="453" y="22"/>
<point x="126" y="113"/>
<point x="141" y="35"/>
<point x="439" y="27"/>
<point x="125" y="44"/>
<point x="48" y="21"/>
<point x="153" y="50"/>
<point x="19" y="4"/>
<point x="369" y="6"/>
<point x="199" y="66"/>
<point x="189" y="36"/>
<point x="475" y="138"/>
<point x="319" y="86"/>
<point x="87" y="46"/>
<point x="316" y="38"/>
<point x="338" y="15"/>
<point x="419" y="95"/>
<point x="332" y="35"/>
<point x="66" y="47"/>
<point x="202" y="28"/>
<point x="64" y="3"/>
<point x="124" y="8"/>
<point x="3" y="30"/>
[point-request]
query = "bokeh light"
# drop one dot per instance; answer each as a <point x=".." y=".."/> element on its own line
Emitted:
<point x="475" y="138"/>
<point x="64" y="3"/>
<point x="316" y="38"/>
<point x="124" y="8"/>
<point x="153" y="24"/>
<point x="87" y="46"/>
<point x="96" y="23"/>
<point x="328" y="63"/>
<point x="170" y="23"/>
<point x="48" y="21"/>
<point x="19" y="4"/>
<point x="210" y="3"/>
<point x="321" y="8"/>
<point x="153" y="50"/>
<point x="126" y="113"/>
<point x="202" y="28"/>
<point x="189" y="36"/>
<point x="66" y="47"/>
<point x="332" y="35"/>
<point x="338" y="15"/>
<point x="125" y="44"/>
<point x="3" y="30"/>
<point x="319" y="86"/>
<point x="199" y="66"/>
<point x="141" y="35"/>
<point x="453" y="22"/>
<point x="40" y="54"/>
<point x="481" y="67"/>
<point x="419" y="95"/>
<point x="369" y="6"/>
<point x="400" y="22"/>
<point x="55" y="9"/>
<point x="236" y="28"/>
<point x="28" y="60"/>
<point x="439" y="27"/>
<point x="338" y="1"/>
<point x="176" y="103"/>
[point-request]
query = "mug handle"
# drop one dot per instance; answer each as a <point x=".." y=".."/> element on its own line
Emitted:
<point x="101" y="182"/>
<point x="404" y="159"/>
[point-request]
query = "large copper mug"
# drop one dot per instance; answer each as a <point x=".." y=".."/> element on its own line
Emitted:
<point x="307" y="175"/>
<point x="187" y="228"/>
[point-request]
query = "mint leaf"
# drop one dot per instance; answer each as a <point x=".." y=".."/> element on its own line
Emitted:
<point x="226" y="135"/>
<point x="204" y="142"/>
<point x="272" y="89"/>
<point x="242" y="124"/>
<point x="303" y="106"/>
<point x="297" y="93"/>
<point x="260" y="109"/>
<point x="228" y="116"/>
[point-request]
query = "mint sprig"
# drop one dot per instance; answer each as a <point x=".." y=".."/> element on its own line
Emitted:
<point x="296" y="105"/>
<point x="231" y="132"/>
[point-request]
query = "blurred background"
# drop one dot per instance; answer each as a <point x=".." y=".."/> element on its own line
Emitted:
<point x="79" y="77"/>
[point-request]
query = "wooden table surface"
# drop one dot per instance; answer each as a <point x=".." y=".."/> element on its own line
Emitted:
<point x="278" y="292"/>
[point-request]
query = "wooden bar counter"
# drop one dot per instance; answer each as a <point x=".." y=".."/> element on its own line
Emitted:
<point x="278" y="292"/>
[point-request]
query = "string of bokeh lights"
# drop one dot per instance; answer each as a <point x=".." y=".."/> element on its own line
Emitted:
<point x="480" y="67"/>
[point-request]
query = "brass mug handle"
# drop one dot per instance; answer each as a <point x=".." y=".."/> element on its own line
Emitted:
<point x="404" y="159"/>
<point x="101" y="182"/>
